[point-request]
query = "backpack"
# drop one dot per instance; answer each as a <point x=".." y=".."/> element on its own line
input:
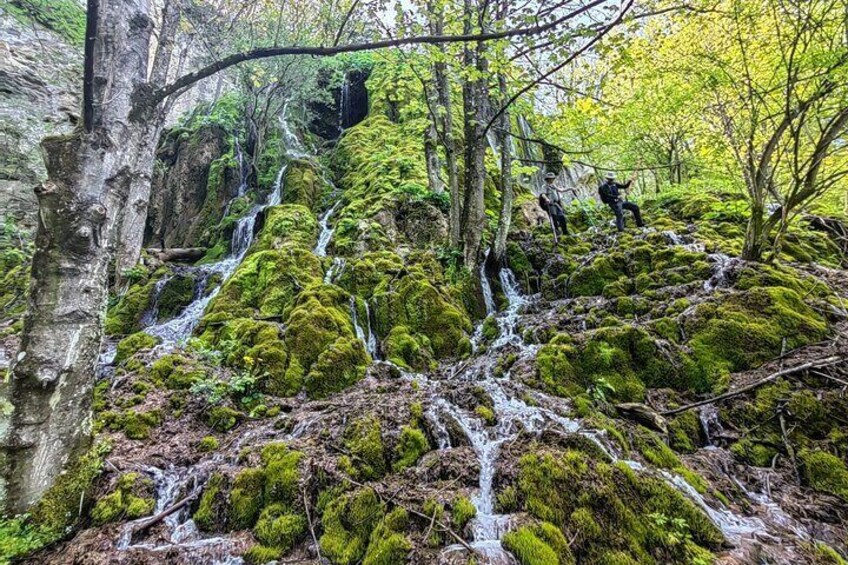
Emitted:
<point x="606" y="194"/>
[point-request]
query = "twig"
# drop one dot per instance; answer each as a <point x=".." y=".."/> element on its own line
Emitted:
<point x="806" y="366"/>
<point x="789" y="449"/>
<point x="164" y="514"/>
<point x="311" y="526"/>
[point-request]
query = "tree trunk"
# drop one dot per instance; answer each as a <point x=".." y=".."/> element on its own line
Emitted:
<point x="431" y="154"/>
<point x="46" y="418"/>
<point x="474" y="209"/>
<point x="505" y="218"/>
<point x="445" y="116"/>
<point x="134" y="216"/>
<point x="754" y="234"/>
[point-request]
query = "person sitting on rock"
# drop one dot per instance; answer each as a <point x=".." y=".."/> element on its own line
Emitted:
<point x="551" y="201"/>
<point x="610" y="195"/>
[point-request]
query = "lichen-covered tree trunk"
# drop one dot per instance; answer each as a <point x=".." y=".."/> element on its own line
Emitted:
<point x="505" y="218"/>
<point x="444" y="115"/>
<point x="134" y="215"/>
<point x="431" y="154"/>
<point x="45" y="416"/>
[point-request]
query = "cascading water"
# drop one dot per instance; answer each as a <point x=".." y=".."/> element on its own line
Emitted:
<point x="344" y="105"/>
<point x="181" y="327"/>
<point x="335" y="270"/>
<point x="151" y="315"/>
<point x="509" y="320"/>
<point x="326" y="231"/>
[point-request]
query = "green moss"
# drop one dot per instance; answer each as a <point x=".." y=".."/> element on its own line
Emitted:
<point x="124" y="317"/>
<point x="303" y="184"/>
<point x="823" y="554"/>
<point x="753" y="453"/>
<point x="291" y="224"/>
<point x="279" y="528"/>
<point x="245" y="502"/>
<point x="463" y="511"/>
<point x="402" y="348"/>
<point x="745" y="329"/>
<point x="486" y="414"/>
<point x="412" y="444"/>
<point x="177" y="293"/>
<point x="132" y="498"/>
<point x="211" y="513"/>
<point x="130" y="345"/>
<point x="685" y="432"/>
<point x="58" y="510"/>
<point x="222" y="418"/>
<point x="542" y="545"/>
<point x="825" y="472"/>
<point x="264" y="285"/>
<point x="591" y="279"/>
<point x="364" y="440"/>
<point x="491" y="330"/>
<point x="320" y="335"/>
<point x="176" y="372"/>
<point x="65" y="17"/>
<point x="388" y="545"/>
<point x="208" y="443"/>
<point x="348" y="522"/>
<point x="581" y="495"/>
<point x="134" y="424"/>
<point x="281" y="474"/>
<point x="260" y="554"/>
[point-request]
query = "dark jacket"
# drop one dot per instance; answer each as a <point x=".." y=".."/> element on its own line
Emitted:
<point x="609" y="191"/>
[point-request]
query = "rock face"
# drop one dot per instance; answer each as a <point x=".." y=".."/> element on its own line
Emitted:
<point x="191" y="188"/>
<point x="40" y="74"/>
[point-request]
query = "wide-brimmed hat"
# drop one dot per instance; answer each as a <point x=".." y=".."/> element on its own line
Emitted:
<point x="610" y="175"/>
<point x="550" y="176"/>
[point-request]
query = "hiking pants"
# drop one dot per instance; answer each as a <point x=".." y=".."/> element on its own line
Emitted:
<point x="618" y="208"/>
<point x="558" y="219"/>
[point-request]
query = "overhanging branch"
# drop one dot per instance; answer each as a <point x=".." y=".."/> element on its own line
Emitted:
<point x="326" y="51"/>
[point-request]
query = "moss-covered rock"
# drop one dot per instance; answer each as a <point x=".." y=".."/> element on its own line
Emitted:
<point x="745" y="329"/>
<point x="412" y="444"/>
<point x="211" y="513"/>
<point x="303" y="184"/>
<point x="348" y="522"/>
<point x="132" y="344"/>
<point x="825" y="472"/>
<point x="363" y="438"/>
<point x="570" y="488"/>
<point x="290" y="224"/>
<point x="245" y="499"/>
<point x="131" y="498"/>
<point x="387" y="544"/>
<point x="543" y="544"/>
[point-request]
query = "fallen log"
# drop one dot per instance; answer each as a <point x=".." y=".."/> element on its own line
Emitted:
<point x="643" y="414"/>
<point x="773" y="377"/>
<point x="177" y="254"/>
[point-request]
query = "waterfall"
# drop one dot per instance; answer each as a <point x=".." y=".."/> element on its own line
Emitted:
<point x="294" y="148"/>
<point x="326" y="231"/>
<point x="366" y="336"/>
<point x="509" y="320"/>
<point x="488" y="300"/>
<point x="344" y="105"/>
<point x="181" y="327"/>
<point x="723" y="264"/>
<point x="335" y="270"/>
<point x="151" y="315"/>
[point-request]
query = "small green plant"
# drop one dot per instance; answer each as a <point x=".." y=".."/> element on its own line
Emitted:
<point x="600" y="390"/>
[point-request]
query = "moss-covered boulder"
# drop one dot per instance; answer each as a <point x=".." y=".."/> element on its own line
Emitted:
<point x="607" y="510"/>
<point x="131" y="498"/>
<point x="294" y="224"/>
<point x="265" y="284"/>
<point x="303" y="184"/>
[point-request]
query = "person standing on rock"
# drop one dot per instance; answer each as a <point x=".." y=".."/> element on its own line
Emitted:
<point x="611" y="196"/>
<point x="551" y="201"/>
